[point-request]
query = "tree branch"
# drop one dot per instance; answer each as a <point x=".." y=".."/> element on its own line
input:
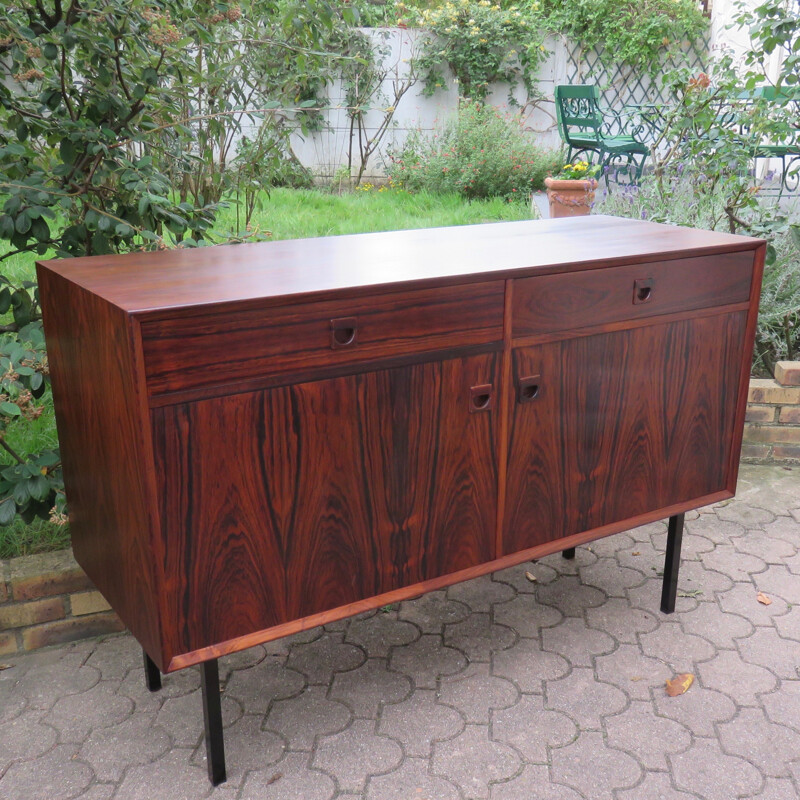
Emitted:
<point x="11" y="451"/>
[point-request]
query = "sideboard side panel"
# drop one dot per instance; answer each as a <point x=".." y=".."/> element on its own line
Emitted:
<point x="106" y="452"/>
<point x="746" y="365"/>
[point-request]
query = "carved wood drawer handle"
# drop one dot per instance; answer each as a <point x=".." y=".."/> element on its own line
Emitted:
<point x="528" y="389"/>
<point x="643" y="291"/>
<point x="344" y="332"/>
<point x="480" y="398"/>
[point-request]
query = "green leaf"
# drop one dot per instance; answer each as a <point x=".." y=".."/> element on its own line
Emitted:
<point x="5" y="299"/>
<point x="68" y="151"/>
<point x="10" y="409"/>
<point x="22" y="224"/>
<point x="6" y="226"/>
<point x="8" y="511"/>
<point x="795" y="229"/>
<point x="20" y="493"/>
<point x="40" y="230"/>
<point x="50" y="51"/>
<point x="38" y="487"/>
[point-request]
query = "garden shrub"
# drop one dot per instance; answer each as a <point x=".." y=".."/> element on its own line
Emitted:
<point x="481" y="153"/>
<point x="636" y="33"/>
<point x="117" y="119"/>
<point x="482" y="42"/>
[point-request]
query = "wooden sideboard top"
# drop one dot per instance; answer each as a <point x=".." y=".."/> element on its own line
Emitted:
<point x="152" y="282"/>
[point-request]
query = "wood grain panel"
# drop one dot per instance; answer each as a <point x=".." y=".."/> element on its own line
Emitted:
<point x="289" y="502"/>
<point x="550" y="303"/>
<point x="415" y="590"/>
<point x="106" y="453"/>
<point x="167" y="283"/>
<point x="627" y="422"/>
<point x="220" y="348"/>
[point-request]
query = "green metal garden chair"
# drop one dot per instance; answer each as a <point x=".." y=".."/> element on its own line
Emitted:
<point x="585" y="128"/>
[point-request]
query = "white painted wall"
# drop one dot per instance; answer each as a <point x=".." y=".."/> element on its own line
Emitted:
<point x="325" y="152"/>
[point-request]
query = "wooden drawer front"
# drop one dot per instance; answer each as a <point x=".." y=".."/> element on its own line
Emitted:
<point x="190" y="352"/>
<point x="573" y="300"/>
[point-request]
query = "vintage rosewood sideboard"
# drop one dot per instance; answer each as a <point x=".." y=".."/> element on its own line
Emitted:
<point x="257" y="439"/>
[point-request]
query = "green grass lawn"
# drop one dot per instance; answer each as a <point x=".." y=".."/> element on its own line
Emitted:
<point x="284" y="214"/>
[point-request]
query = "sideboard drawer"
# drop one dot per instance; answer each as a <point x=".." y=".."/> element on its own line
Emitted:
<point x="573" y="300"/>
<point x="195" y="351"/>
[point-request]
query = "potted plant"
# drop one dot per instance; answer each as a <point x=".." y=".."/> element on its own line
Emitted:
<point x="571" y="191"/>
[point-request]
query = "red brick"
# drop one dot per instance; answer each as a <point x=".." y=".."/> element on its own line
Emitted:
<point x="88" y="603"/>
<point x="69" y="630"/>
<point x="787" y="373"/>
<point x="756" y="451"/>
<point x="45" y="575"/>
<point x="760" y="414"/>
<point x="765" y="390"/>
<point x="21" y="615"/>
<point x="786" y="453"/>
<point x="8" y="643"/>
<point x="775" y="434"/>
<point x="790" y="415"/>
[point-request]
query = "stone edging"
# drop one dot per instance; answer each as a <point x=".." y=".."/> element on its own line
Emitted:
<point x="772" y="428"/>
<point x="47" y="599"/>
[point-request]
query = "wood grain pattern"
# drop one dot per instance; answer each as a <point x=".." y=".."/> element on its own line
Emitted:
<point x="395" y="596"/>
<point x="106" y="451"/>
<point x="285" y="503"/>
<point x="184" y="281"/>
<point x="219" y="348"/>
<point x="551" y="303"/>
<point x="235" y="478"/>
<point x="624" y="423"/>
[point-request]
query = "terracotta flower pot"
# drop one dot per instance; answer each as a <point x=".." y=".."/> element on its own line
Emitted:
<point x="570" y="198"/>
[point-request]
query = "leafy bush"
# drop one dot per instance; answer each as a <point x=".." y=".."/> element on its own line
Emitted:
<point x="636" y="33"/>
<point x="482" y="43"/>
<point x="116" y="121"/>
<point x="31" y="485"/>
<point x="481" y="153"/>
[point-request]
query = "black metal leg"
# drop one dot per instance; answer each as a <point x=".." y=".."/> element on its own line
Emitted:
<point x="212" y="716"/>
<point x="152" y="674"/>
<point x="672" y="563"/>
<point x="568" y="553"/>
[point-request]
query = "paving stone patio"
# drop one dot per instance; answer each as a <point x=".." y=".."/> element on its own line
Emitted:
<point x="499" y="688"/>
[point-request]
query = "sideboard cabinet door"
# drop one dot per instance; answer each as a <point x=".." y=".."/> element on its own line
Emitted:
<point x="609" y="426"/>
<point x="286" y="502"/>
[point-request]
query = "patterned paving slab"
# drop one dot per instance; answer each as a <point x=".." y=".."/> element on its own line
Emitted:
<point x="502" y="688"/>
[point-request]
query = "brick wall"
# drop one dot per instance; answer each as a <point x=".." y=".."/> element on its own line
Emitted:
<point x="47" y="599"/>
<point x="772" y="427"/>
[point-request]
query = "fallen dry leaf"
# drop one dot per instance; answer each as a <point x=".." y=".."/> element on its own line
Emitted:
<point x="680" y="684"/>
<point x="636" y="678"/>
<point x="636" y="553"/>
<point x="531" y="577"/>
<point x="763" y="599"/>
<point x="5" y="666"/>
